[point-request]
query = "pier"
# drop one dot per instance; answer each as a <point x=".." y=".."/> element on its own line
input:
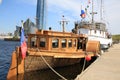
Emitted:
<point x="106" y="67"/>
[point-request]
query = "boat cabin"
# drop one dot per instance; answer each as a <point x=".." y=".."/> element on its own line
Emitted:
<point x="91" y="29"/>
<point x="56" y="41"/>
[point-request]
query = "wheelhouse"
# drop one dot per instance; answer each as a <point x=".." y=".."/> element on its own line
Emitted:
<point x="55" y="41"/>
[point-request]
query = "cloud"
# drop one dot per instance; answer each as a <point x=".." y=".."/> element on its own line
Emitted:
<point x="71" y="9"/>
<point x="60" y="6"/>
<point x="65" y="5"/>
<point x="73" y="6"/>
<point x="112" y="15"/>
<point x="0" y="1"/>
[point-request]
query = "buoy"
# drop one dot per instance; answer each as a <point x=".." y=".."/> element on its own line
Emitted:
<point x="88" y="58"/>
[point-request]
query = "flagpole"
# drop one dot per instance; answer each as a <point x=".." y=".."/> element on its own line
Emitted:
<point x="92" y="12"/>
<point x="22" y="23"/>
<point x="23" y="42"/>
<point x="21" y="27"/>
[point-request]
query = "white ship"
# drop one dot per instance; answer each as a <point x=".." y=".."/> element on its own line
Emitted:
<point x="94" y="30"/>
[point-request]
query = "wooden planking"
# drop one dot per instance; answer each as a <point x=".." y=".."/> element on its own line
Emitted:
<point x="20" y="69"/>
<point x="13" y="68"/>
<point x="16" y="70"/>
<point x="72" y="56"/>
<point x="61" y="55"/>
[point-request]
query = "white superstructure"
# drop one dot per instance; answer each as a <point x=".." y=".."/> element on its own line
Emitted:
<point x="95" y="31"/>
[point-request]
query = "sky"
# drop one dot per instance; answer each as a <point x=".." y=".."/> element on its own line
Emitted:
<point x="13" y="11"/>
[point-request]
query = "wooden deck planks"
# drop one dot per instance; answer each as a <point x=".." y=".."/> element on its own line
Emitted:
<point x="61" y="55"/>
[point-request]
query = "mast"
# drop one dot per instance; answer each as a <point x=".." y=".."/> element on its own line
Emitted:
<point x="101" y="10"/>
<point x="63" y="22"/>
<point x="93" y="13"/>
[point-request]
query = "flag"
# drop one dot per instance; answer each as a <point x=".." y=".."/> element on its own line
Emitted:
<point x="82" y="14"/>
<point x="23" y="44"/>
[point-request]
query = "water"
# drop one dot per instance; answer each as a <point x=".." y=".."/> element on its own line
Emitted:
<point x="6" y="49"/>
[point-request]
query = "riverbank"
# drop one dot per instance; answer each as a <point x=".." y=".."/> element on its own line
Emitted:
<point x="11" y="39"/>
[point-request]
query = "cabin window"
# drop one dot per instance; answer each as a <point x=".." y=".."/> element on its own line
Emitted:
<point x="70" y="43"/>
<point x="100" y="31"/>
<point x="95" y="31"/>
<point x="55" y="43"/>
<point x="42" y="42"/>
<point x="33" y="42"/>
<point x="63" y="43"/>
<point x="90" y="31"/>
<point x="74" y="43"/>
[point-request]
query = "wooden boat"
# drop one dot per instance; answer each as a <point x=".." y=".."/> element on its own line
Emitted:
<point x="56" y="48"/>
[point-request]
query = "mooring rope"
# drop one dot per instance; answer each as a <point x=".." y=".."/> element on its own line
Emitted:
<point x="52" y="68"/>
<point x="84" y="62"/>
<point x="83" y="65"/>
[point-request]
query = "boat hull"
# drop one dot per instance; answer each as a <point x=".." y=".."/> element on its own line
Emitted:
<point x="33" y="63"/>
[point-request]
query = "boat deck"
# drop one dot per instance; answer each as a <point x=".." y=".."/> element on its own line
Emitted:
<point x="79" y="54"/>
<point x="106" y="67"/>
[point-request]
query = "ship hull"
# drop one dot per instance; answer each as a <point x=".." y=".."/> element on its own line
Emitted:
<point x="33" y="63"/>
<point x="21" y="67"/>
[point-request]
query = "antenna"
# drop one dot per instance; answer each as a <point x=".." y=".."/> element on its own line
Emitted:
<point x="102" y="17"/>
<point x="92" y="11"/>
<point x="63" y="22"/>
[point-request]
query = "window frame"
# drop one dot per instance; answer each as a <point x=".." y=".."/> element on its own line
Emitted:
<point x="64" y="43"/>
<point x="69" y="43"/>
<point x="56" y="42"/>
<point x="44" y="42"/>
